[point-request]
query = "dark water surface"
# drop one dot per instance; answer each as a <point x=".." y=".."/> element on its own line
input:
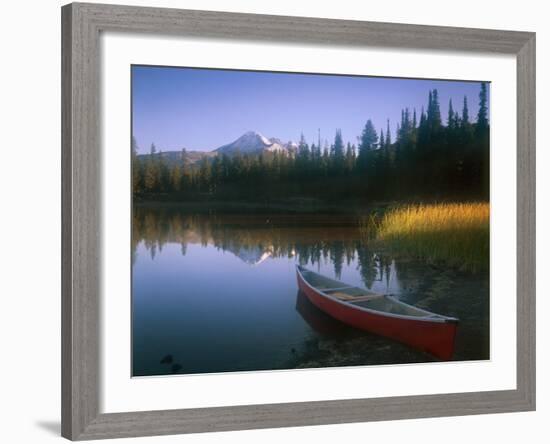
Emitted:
<point x="218" y="293"/>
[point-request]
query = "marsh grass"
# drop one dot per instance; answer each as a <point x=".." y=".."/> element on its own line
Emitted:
<point x="454" y="233"/>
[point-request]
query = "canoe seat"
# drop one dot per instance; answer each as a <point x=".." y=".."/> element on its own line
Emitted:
<point x="329" y="289"/>
<point x="356" y="298"/>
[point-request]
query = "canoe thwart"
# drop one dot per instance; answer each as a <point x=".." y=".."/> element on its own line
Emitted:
<point x="335" y="288"/>
<point x="355" y="298"/>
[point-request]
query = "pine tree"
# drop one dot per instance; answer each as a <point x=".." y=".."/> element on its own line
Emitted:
<point x="414" y="131"/>
<point x="175" y="178"/>
<point x="367" y="143"/>
<point x="338" y="148"/>
<point x="137" y="169"/>
<point x="152" y="171"/>
<point x="482" y="124"/>
<point x="303" y="152"/>
<point x="325" y="158"/>
<point x="368" y="139"/>
<point x="350" y="160"/>
<point x="205" y="174"/>
<point x="135" y="146"/>
<point x="436" y="112"/>
<point x="465" y="114"/>
<point x="317" y="152"/>
<point x="429" y="111"/>
<point x="451" y="116"/>
<point x="313" y="154"/>
<point x="303" y="149"/>
<point x="383" y="155"/>
<point x="481" y="165"/>
<point x="185" y="173"/>
<point x="466" y="130"/>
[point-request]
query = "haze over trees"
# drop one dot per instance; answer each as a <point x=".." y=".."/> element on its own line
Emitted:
<point x="429" y="159"/>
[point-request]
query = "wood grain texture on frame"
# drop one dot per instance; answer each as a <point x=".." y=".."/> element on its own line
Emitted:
<point x="81" y="234"/>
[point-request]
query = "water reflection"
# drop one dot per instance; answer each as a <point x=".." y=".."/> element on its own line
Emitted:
<point x="217" y="292"/>
<point x="310" y="239"/>
<point x="318" y="320"/>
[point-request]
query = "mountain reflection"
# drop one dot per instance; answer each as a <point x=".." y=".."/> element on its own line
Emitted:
<point x="254" y="238"/>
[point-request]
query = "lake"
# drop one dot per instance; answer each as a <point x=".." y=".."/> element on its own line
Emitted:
<point x="216" y="292"/>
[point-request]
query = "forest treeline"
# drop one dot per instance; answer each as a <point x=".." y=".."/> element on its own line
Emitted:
<point x="429" y="159"/>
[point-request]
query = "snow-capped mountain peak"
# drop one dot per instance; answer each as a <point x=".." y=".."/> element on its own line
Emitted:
<point x="253" y="142"/>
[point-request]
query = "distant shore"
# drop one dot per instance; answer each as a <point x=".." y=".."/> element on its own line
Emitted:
<point x="291" y="205"/>
<point x="288" y="205"/>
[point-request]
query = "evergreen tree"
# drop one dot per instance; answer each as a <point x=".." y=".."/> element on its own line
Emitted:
<point x="368" y="138"/>
<point x="422" y="125"/>
<point x="326" y="157"/>
<point x="137" y="168"/>
<point x="313" y="154"/>
<point x="303" y="148"/>
<point x="436" y="112"/>
<point x="481" y="165"/>
<point x="135" y="146"/>
<point x="338" y="149"/>
<point x="205" y="174"/>
<point x="302" y="159"/>
<point x="350" y="158"/>
<point x="465" y="114"/>
<point x="388" y="135"/>
<point x="164" y="173"/>
<point x="451" y="116"/>
<point x="383" y="156"/>
<point x="318" y="151"/>
<point x="414" y="131"/>
<point x="367" y="143"/>
<point x="482" y="125"/>
<point x="185" y="173"/>
<point x="175" y="178"/>
<point x="152" y="171"/>
<point x="465" y="125"/>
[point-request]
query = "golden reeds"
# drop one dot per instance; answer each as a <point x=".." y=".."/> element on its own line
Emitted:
<point x="455" y="233"/>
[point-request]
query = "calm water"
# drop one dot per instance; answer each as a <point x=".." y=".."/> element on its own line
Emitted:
<point x="218" y="293"/>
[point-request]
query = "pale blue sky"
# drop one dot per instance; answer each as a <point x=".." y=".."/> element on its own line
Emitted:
<point x="202" y="109"/>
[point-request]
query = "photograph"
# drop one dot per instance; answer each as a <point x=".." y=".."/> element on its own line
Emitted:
<point x="261" y="222"/>
<point x="285" y="221"/>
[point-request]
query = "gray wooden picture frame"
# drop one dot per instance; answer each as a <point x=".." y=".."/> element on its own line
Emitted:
<point x="81" y="239"/>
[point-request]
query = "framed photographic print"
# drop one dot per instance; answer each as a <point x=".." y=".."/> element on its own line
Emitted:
<point x="278" y="221"/>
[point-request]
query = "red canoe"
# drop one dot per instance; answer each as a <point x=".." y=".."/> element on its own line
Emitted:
<point x="380" y="314"/>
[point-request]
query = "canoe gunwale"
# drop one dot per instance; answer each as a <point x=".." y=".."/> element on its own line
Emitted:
<point x="441" y="319"/>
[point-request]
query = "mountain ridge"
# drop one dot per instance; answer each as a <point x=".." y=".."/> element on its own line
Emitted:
<point x="251" y="142"/>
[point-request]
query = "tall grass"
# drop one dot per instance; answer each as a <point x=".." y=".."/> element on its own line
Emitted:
<point x="456" y="233"/>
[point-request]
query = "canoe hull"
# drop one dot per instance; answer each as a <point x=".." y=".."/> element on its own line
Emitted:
<point x="436" y="338"/>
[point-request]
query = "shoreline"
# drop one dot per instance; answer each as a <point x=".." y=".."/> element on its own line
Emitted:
<point x="300" y="207"/>
<point x="288" y="206"/>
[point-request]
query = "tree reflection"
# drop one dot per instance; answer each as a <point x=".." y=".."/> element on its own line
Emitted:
<point x="310" y="239"/>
